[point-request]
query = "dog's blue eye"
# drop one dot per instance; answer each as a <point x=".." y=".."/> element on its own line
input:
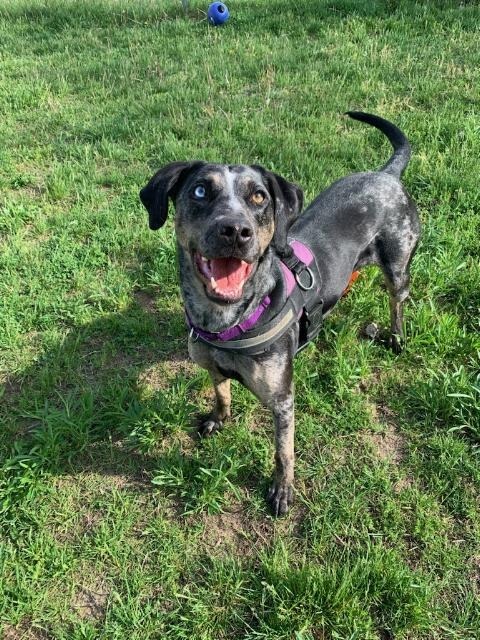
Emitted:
<point x="199" y="191"/>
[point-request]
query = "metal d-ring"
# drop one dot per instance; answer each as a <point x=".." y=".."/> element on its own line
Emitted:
<point x="312" y="279"/>
<point x="193" y="335"/>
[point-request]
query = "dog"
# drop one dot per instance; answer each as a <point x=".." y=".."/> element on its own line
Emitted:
<point x="242" y="243"/>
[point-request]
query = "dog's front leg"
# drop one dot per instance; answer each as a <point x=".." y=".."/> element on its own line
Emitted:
<point x="280" y="495"/>
<point x="212" y="422"/>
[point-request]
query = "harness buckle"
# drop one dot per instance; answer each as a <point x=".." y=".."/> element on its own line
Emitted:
<point x="305" y="287"/>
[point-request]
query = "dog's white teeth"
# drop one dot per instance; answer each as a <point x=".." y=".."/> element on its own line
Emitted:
<point x="213" y="284"/>
<point x="204" y="259"/>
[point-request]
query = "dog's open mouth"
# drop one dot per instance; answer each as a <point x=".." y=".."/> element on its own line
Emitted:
<point x="224" y="278"/>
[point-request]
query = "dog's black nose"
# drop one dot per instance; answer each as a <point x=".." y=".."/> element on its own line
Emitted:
<point x="239" y="234"/>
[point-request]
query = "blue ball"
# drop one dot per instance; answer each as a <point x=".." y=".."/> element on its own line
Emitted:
<point x="218" y="13"/>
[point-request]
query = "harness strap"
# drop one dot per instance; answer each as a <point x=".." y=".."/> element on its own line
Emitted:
<point x="233" y="332"/>
<point x="254" y="344"/>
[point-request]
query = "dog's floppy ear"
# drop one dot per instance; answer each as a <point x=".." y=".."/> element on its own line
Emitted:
<point x="288" y="203"/>
<point x="163" y="185"/>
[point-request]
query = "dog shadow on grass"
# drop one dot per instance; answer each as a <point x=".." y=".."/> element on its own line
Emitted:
<point x="117" y="385"/>
<point x="118" y="399"/>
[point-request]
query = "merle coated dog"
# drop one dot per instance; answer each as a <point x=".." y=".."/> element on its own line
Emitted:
<point x="235" y="224"/>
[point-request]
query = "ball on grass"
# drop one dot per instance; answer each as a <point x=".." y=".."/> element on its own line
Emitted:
<point x="218" y="13"/>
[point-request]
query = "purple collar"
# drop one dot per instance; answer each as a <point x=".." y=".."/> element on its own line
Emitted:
<point x="238" y="329"/>
<point x="304" y="254"/>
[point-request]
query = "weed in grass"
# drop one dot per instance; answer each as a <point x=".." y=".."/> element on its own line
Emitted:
<point x="200" y="487"/>
<point x="450" y="398"/>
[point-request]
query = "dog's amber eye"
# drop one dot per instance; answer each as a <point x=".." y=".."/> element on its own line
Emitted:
<point x="258" y="197"/>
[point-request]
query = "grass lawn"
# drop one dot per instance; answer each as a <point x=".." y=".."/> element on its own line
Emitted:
<point x="115" y="521"/>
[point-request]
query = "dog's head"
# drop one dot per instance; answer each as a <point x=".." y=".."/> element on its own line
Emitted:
<point x="226" y="218"/>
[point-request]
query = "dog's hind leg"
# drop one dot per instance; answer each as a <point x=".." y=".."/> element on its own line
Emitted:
<point x="395" y="258"/>
<point x="397" y="296"/>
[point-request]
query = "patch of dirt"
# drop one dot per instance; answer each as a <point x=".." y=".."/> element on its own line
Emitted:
<point x="112" y="361"/>
<point x="372" y="380"/>
<point x="402" y="484"/>
<point x="110" y="481"/>
<point x="90" y="521"/>
<point x="33" y="191"/>
<point x="11" y="388"/>
<point x="386" y="414"/>
<point x="260" y="419"/>
<point x="90" y="597"/>
<point x="145" y="300"/>
<point x="23" y="631"/>
<point x="113" y="462"/>
<point x="159" y="376"/>
<point x="103" y="476"/>
<point x="475" y="574"/>
<point x="388" y="445"/>
<point x="413" y="551"/>
<point x="186" y="441"/>
<point x="229" y="531"/>
<point x="243" y="534"/>
<point x="91" y="481"/>
<point x="66" y="532"/>
<point x="179" y="361"/>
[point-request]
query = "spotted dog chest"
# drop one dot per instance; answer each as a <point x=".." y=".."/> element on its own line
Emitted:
<point x="262" y="375"/>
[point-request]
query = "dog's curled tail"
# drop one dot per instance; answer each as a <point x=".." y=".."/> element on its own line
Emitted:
<point x="402" y="150"/>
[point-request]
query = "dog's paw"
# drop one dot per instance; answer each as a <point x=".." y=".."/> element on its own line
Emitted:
<point x="382" y="337"/>
<point x="395" y="343"/>
<point x="208" y="426"/>
<point x="370" y="331"/>
<point x="280" y="497"/>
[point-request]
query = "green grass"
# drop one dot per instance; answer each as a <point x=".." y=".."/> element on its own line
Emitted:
<point x="115" y="521"/>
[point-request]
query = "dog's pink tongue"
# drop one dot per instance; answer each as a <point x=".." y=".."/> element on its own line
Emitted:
<point x="229" y="274"/>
